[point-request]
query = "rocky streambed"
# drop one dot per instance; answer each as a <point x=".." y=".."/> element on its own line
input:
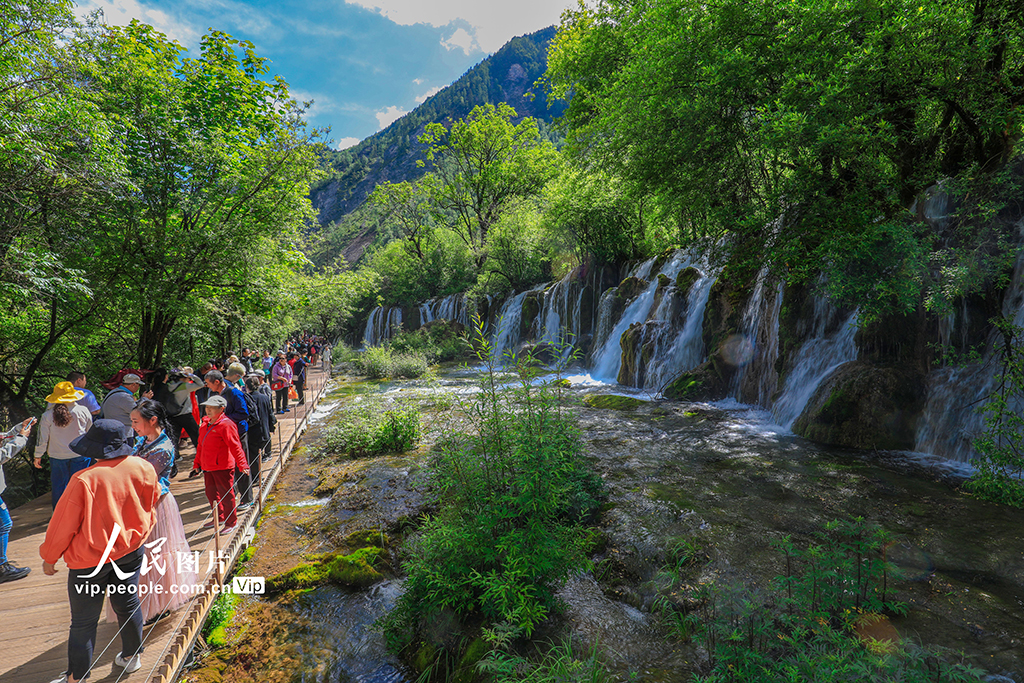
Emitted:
<point x="722" y="478"/>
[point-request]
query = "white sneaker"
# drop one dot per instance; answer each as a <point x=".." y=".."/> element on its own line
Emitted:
<point x="129" y="665"/>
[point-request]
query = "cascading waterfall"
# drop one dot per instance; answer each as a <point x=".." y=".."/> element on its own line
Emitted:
<point x="381" y="324"/>
<point x="816" y="359"/>
<point x="506" y="335"/>
<point x="454" y="308"/>
<point x="686" y="350"/>
<point x="951" y="419"/>
<point x="560" y="315"/>
<point x="756" y="348"/>
<point x="607" y="358"/>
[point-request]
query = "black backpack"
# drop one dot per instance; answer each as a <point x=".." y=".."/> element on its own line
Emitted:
<point x="255" y="423"/>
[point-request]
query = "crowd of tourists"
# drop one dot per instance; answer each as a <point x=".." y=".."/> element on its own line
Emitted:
<point x="115" y="522"/>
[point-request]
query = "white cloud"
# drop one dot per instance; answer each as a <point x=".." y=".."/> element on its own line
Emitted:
<point x="462" y="40"/>
<point x="121" y="12"/>
<point x="345" y="143"/>
<point x="419" y="81"/>
<point x="423" y="98"/>
<point x="494" y="21"/>
<point x="385" y="117"/>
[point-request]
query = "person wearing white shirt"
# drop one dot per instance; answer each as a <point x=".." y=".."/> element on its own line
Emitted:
<point x="64" y="421"/>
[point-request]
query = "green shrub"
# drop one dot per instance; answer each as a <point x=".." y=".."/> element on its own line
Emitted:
<point x="512" y="494"/>
<point x="376" y="362"/>
<point x="438" y="342"/>
<point x="802" y="626"/>
<point x="372" y="430"/>
<point x="560" y="664"/>
<point x="409" y="365"/>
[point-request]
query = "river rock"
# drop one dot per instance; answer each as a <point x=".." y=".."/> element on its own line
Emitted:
<point x="864" y="406"/>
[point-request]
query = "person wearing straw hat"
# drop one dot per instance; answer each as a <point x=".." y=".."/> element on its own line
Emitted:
<point x="99" y="527"/>
<point x="63" y="422"/>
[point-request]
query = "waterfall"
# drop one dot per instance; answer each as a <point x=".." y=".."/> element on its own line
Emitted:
<point x="380" y="324"/>
<point x="816" y="359"/>
<point x="560" y="315"/>
<point x="454" y="308"/>
<point x="506" y="336"/>
<point x="757" y="347"/>
<point x="686" y="350"/>
<point x="952" y="419"/>
<point x="607" y="358"/>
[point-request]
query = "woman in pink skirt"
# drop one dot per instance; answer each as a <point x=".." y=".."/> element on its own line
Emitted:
<point x="164" y="585"/>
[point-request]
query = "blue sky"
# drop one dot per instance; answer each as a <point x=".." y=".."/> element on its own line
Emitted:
<point x="363" y="62"/>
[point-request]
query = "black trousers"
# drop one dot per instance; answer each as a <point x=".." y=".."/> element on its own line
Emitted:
<point x="188" y="423"/>
<point x="86" y="597"/>
<point x="243" y="481"/>
<point x="281" y="397"/>
<point x="300" y="389"/>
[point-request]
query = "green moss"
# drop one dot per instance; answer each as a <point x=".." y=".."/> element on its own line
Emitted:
<point x="686" y="278"/>
<point x="356" y="569"/>
<point x="218" y="637"/>
<point x="424" y="657"/>
<point x="247" y="554"/>
<point x="613" y="402"/>
<point x="685" y="386"/>
<point x="466" y="671"/>
<point x="367" y="538"/>
<point x="311" y="574"/>
<point x="663" y="280"/>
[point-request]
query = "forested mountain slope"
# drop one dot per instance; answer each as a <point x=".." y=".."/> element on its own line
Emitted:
<point x="391" y="155"/>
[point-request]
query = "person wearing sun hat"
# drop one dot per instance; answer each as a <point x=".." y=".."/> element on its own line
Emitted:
<point x="99" y="527"/>
<point x="63" y="422"/>
<point x="219" y="454"/>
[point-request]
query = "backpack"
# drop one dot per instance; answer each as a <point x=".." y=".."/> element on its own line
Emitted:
<point x="255" y="423"/>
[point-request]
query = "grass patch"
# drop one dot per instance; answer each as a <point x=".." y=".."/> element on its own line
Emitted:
<point x="218" y="619"/>
<point x="365" y="430"/>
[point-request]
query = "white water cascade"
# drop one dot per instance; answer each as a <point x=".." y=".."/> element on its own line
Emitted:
<point x="756" y="348"/>
<point x="506" y="334"/>
<point x="816" y="359"/>
<point x="381" y="324"/>
<point x="454" y="308"/>
<point x="608" y="357"/>
<point x="685" y="350"/>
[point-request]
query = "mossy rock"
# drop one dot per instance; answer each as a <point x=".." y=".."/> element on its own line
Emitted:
<point x="424" y="657"/>
<point x="685" y="279"/>
<point x="218" y="637"/>
<point x="631" y="288"/>
<point x="466" y="672"/>
<point x="367" y="538"/>
<point x="709" y="381"/>
<point x="865" y="406"/>
<point x="356" y="569"/>
<point x="609" y="402"/>
<point x="686" y="386"/>
<point x="531" y="309"/>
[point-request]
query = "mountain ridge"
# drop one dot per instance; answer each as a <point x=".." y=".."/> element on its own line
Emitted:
<point x="390" y="155"/>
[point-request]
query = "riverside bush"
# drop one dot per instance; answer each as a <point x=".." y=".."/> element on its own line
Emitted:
<point x="382" y="362"/>
<point x="372" y="430"/>
<point x="438" y="342"/>
<point x="513" y="492"/>
<point x="803" y="627"/>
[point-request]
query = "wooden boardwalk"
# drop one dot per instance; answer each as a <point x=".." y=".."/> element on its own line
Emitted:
<point x="34" y="611"/>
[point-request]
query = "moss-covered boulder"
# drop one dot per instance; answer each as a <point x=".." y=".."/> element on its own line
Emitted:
<point x="631" y="288"/>
<point x="639" y="345"/>
<point x="357" y="570"/>
<point x="532" y="305"/>
<point x="709" y="381"/>
<point x="685" y="279"/>
<point x="865" y="406"/>
<point x="610" y="402"/>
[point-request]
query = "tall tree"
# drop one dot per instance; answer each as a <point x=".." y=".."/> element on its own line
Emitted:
<point x="219" y="159"/>
<point x="481" y="162"/>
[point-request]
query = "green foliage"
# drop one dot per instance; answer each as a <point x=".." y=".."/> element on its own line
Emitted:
<point x="512" y="493"/>
<point x="1000" y="462"/>
<point x="837" y="115"/>
<point x="561" y="663"/>
<point x="521" y="246"/>
<point x="437" y="343"/>
<point x="381" y="362"/>
<point x="802" y="627"/>
<point x="365" y="430"/>
<point x="480" y="163"/>
<point x="447" y="267"/>
<point x="218" y="618"/>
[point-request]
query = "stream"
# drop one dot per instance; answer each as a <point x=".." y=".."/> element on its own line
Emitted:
<point x="724" y="474"/>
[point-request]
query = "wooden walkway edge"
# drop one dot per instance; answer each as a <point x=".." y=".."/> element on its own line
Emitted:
<point x="34" y="611"/>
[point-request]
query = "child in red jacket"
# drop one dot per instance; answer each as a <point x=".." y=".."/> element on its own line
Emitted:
<point x="217" y="456"/>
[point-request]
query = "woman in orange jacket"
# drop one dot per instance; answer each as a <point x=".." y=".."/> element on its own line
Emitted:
<point x="217" y="456"/>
